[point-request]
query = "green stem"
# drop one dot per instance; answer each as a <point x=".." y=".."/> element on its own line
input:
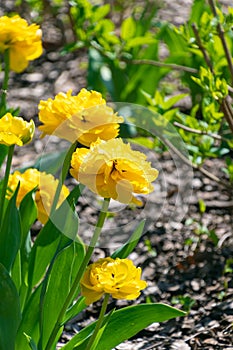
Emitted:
<point x="5" y="181"/>
<point x="63" y="175"/>
<point x="5" y="82"/>
<point x="91" y="345"/>
<point x="202" y="48"/>
<point x="163" y="64"/>
<point x="75" y="286"/>
<point x="43" y="292"/>
<point x="222" y="38"/>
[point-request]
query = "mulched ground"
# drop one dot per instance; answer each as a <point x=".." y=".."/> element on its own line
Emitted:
<point x="183" y="267"/>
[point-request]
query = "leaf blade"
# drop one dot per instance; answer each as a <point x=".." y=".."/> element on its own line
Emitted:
<point x="128" y="322"/>
<point x="9" y="311"/>
<point x="124" y="251"/>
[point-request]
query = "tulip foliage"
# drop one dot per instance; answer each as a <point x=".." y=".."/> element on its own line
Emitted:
<point x="45" y="281"/>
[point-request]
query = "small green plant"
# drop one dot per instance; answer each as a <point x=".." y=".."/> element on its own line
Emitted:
<point x="185" y="300"/>
<point x="200" y="228"/>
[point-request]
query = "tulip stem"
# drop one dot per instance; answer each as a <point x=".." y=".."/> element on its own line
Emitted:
<point x="93" y="341"/>
<point x="63" y="175"/>
<point x="5" y="82"/>
<point x="70" y="297"/>
<point x="5" y="181"/>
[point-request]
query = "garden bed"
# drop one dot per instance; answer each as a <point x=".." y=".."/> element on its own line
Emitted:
<point x="184" y="264"/>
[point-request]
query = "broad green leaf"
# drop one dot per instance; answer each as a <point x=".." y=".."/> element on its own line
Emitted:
<point x="29" y="325"/>
<point x="140" y="40"/>
<point x="198" y="8"/>
<point x="168" y="103"/>
<point x="175" y="42"/>
<point x="131" y="320"/>
<point x="42" y="252"/>
<point x="124" y="251"/>
<point x="136" y="77"/>
<point x="10" y="234"/>
<point x="128" y="322"/>
<point x="16" y="271"/>
<point x="64" y="268"/>
<point x="9" y="311"/>
<point x="128" y="28"/>
<point x="100" y="12"/>
<point x="64" y="221"/>
<point x="144" y="141"/>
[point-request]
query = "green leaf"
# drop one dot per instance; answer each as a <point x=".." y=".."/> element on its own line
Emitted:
<point x="65" y="267"/>
<point x="64" y="221"/>
<point x="143" y="141"/>
<point x="140" y="40"/>
<point x="213" y="237"/>
<point x="28" y="214"/>
<point x="168" y="103"/>
<point x="128" y="322"/>
<point x="128" y="28"/>
<point x="202" y="206"/>
<point x="75" y="309"/>
<point x="131" y="320"/>
<point x="198" y="8"/>
<point x="102" y="328"/>
<point x="50" y="162"/>
<point x="30" y="322"/>
<point x="3" y="153"/>
<point x="175" y="42"/>
<point x="9" y="311"/>
<point x="10" y="234"/>
<point x="124" y="251"/>
<point x="100" y="12"/>
<point x="31" y="342"/>
<point x="16" y="271"/>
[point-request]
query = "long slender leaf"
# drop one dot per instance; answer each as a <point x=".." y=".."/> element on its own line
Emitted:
<point x="75" y="309"/>
<point x="29" y="326"/>
<point x="124" y="324"/>
<point x="10" y="234"/>
<point x="64" y="221"/>
<point x="64" y="268"/>
<point x="3" y="153"/>
<point x="9" y="311"/>
<point x="28" y="214"/>
<point x="129" y="246"/>
<point x="50" y="162"/>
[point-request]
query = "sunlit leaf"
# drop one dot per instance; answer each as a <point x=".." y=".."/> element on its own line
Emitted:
<point x="9" y="311"/>
<point x="10" y="234"/>
<point x="124" y="251"/>
<point x="128" y="322"/>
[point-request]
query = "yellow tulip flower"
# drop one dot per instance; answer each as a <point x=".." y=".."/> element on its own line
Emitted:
<point x="84" y="117"/>
<point x="118" y="277"/>
<point x="45" y="186"/>
<point x="23" y="41"/>
<point x="15" y="130"/>
<point x="113" y="170"/>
